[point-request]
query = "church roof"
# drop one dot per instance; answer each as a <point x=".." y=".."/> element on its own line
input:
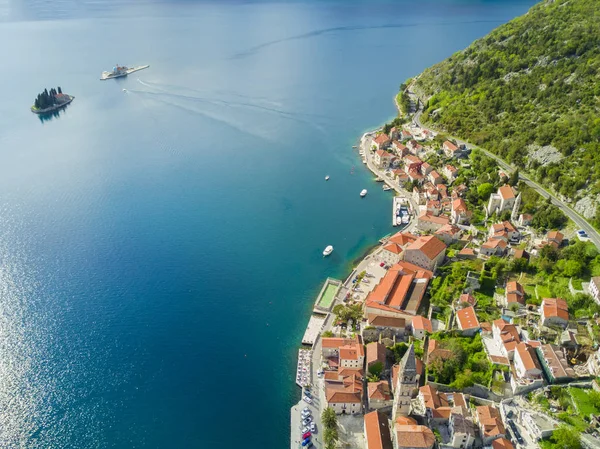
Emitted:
<point x="408" y="364"/>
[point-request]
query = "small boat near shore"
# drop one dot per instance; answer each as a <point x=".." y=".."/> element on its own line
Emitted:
<point x="378" y="179"/>
<point x="385" y="188"/>
<point x="363" y="193"/>
<point x="354" y="146"/>
<point x="328" y="251"/>
<point x="327" y="178"/>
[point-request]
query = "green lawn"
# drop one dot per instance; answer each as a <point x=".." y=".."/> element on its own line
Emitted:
<point x="543" y="291"/>
<point x="583" y="401"/>
<point x="328" y="296"/>
<point x="530" y="290"/>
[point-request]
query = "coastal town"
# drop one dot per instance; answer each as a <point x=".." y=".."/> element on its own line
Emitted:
<point x="474" y="326"/>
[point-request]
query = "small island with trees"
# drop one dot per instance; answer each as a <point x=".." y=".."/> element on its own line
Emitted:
<point x="52" y="100"/>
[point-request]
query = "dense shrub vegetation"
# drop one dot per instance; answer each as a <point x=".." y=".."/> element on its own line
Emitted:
<point x="534" y="80"/>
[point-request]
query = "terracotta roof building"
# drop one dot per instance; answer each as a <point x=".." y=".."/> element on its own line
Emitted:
<point x="467" y="321"/>
<point x="514" y="294"/>
<point x="526" y="362"/>
<point x="555" y="312"/>
<point x="381" y="141"/>
<point x="400" y="291"/>
<point x="377" y="431"/>
<point x="427" y="252"/>
<point x="490" y="423"/>
<point x="420" y="326"/>
<point x="502" y="201"/>
<point x="375" y="353"/>
<point x="382" y="321"/>
<point x="413" y="436"/>
<point x="429" y="222"/>
<point x="379" y="394"/>
<point x="493" y="247"/>
<point x="460" y="212"/>
<point x="554" y="364"/>
<point x="506" y="336"/>
<point x="502" y="443"/>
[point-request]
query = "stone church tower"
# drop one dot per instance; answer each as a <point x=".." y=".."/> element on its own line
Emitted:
<point x="407" y="384"/>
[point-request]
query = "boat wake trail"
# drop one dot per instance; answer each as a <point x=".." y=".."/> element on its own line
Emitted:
<point x="316" y="33"/>
<point x="187" y="98"/>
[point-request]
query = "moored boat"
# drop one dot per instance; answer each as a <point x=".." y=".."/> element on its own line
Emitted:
<point x="386" y="187"/>
<point x="363" y="193"/>
<point x="327" y="178"/>
<point x="328" y="251"/>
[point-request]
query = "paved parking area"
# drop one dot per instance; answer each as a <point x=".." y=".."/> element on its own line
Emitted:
<point x="529" y="441"/>
<point x="297" y="425"/>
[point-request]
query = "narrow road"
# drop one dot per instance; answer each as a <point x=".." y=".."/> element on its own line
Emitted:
<point x="593" y="235"/>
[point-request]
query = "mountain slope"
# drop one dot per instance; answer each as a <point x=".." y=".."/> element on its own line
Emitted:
<point x="530" y="92"/>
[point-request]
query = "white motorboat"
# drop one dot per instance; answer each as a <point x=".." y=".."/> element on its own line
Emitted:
<point x="363" y="193"/>
<point x="386" y="187"/>
<point x="327" y="178"/>
<point x="328" y="251"/>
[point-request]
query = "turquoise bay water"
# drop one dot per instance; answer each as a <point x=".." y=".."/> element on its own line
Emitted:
<point x="160" y="248"/>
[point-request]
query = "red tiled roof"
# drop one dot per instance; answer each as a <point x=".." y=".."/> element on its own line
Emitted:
<point x="555" y="307"/>
<point x="515" y="287"/>
<point x="377" y="431"/>
<point x="468" y="298"/>
<point x="379" y="391"/>
<point x="500" y="443"/>
<point x="556" y="236"/>
<point x="375" y="353"/>
<point x="467" y="318"/>
<point x="450" y="146"/>
<point x="393" y="248"/>
<point x="528" y="356"/>
<point x="381" y="139"/>
<point x="412" y="436"/>
<point x="430" y="246"/>
<point x="422" y="323"/>
<point x="459" y="205"/>
<point x="385" y="321"/>
<point x="403" y="238"/>
<point x="430" y="218"/>
<point x="506" y="192"/>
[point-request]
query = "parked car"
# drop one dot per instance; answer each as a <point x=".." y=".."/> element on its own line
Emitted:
<point x="313" y="427"/>
<point x="307" y="393"/>
<point x="305" y="429"/>
<point x="305" y="442"/>
<point x="309" y="400"/>
<point x="382" y="264"/>
<point x="307" y="421"/>
<point x="306" y="435"/>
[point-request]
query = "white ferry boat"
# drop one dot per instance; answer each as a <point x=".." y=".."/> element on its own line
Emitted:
<point x="119" y="71"/>
<point x="328" y="251"/>
<point x="363" y="193"/>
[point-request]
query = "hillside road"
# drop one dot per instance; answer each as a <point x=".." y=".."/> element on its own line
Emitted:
<point x="593" y="235"/>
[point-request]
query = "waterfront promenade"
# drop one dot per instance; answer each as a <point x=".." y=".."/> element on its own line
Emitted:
<point x="350" y="431"/>
<point x="366" y="143"/>
<point x="370" y="264"/>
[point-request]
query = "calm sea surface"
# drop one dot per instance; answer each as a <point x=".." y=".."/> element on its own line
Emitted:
<point x="160" y="247"/>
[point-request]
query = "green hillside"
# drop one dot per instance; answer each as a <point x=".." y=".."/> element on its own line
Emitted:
<point x="530" y="92"/>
